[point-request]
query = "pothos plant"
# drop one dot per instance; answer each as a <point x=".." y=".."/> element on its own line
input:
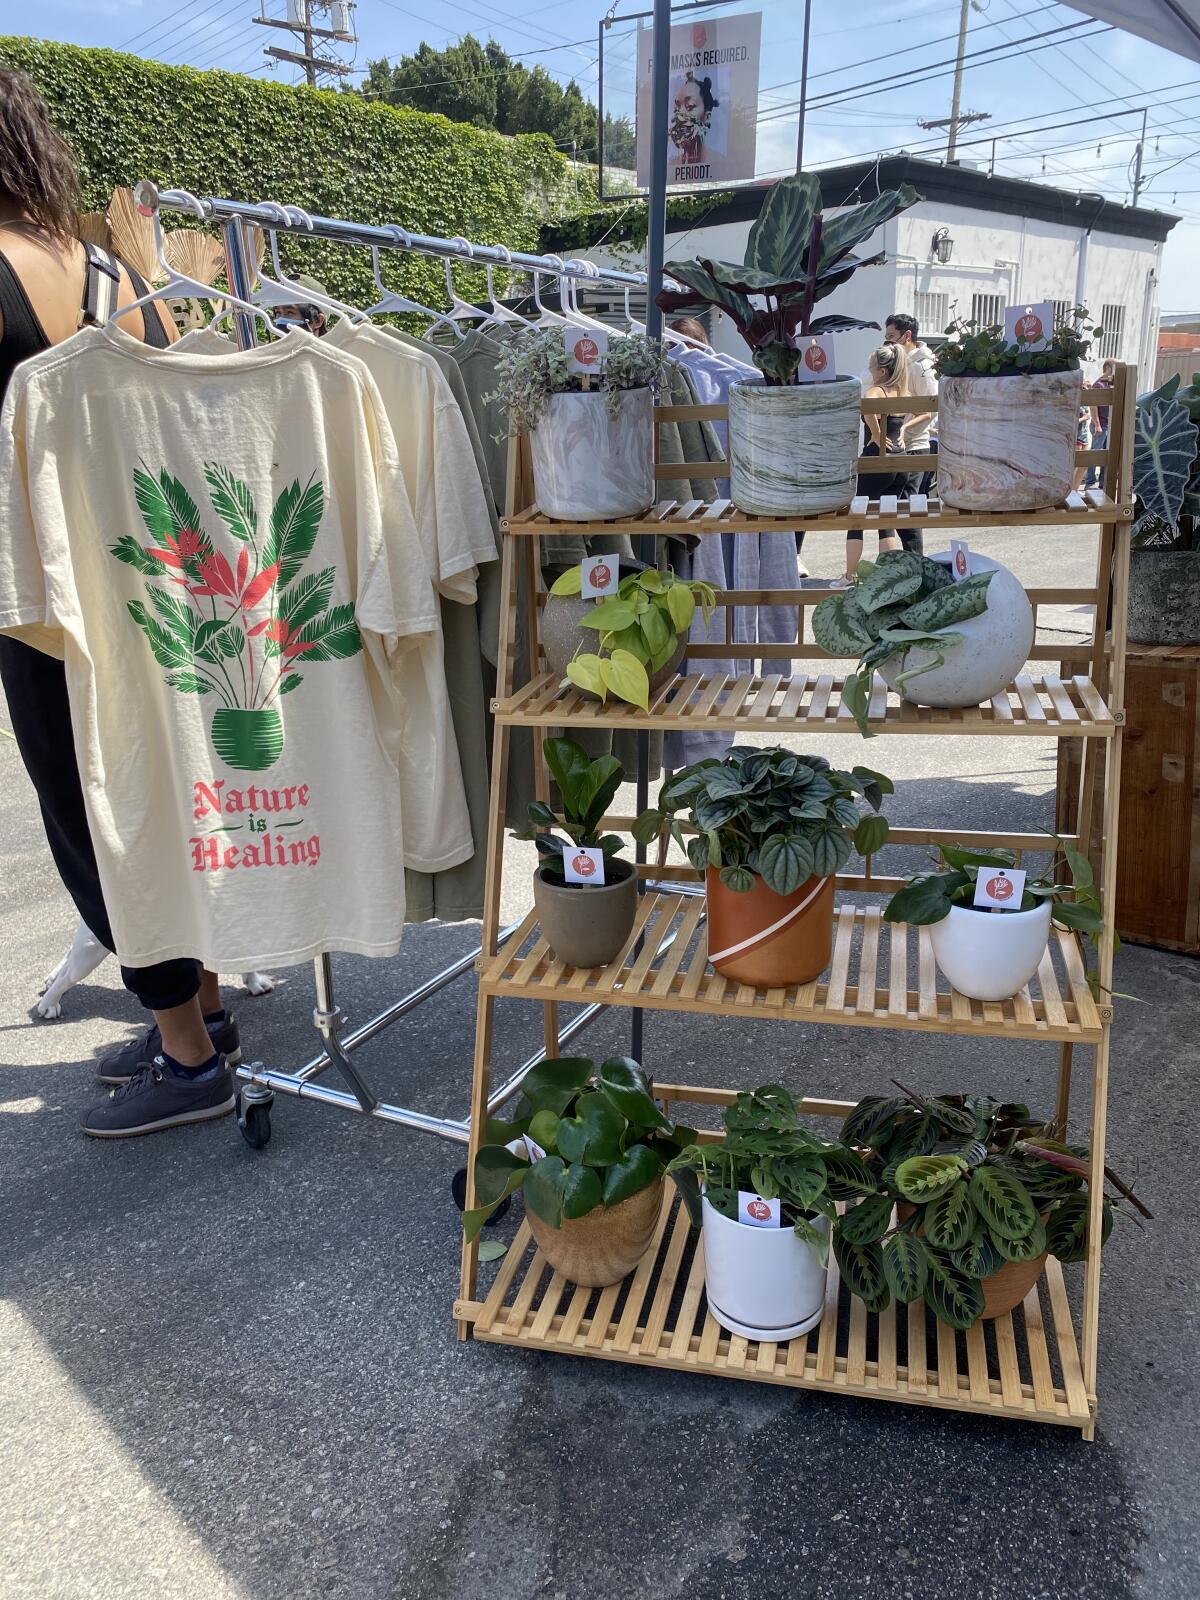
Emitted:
<point x="587" y="788"/>
<point x="895" y="605"/>
<point x="973" y="348"/>
<point x="962" y="1184"/>
<point x="795" y="256"/>
<point x="638" y="630"/>
<point x="533" y="366"/>
<point x="772" y="814"/>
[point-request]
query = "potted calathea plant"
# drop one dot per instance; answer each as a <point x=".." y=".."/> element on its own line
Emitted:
<point x="970" y="1196"/>
<point x="1008" y="414"/>
<point x="935" y="641"/>
<point x="589" y="1148"/>
<point x="771" y="830"/>
<point x="765" y="1198"/>
<point x="987" y="941"/>
<point x="1164" y="567"/>
<point x="591" y="438"/>
<point x="793" y="446"/>
<point x="587" y="916"/>
<point x="627" y="644"/>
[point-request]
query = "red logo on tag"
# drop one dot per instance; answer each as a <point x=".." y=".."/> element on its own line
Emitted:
<point x="759" y="1210"/>
<point x="1029" y="327"/>
<point x="699" y="36"/>
<point x="815" y="358"/>
<point x="998" y="888"/>
<point x="601" y="576"/>
<point x="584" y="866"/>
<point x="960" y="563"/>
<point x="586" y="351"/>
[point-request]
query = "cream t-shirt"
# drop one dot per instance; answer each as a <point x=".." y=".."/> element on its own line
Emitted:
<point x="222" y="552"/>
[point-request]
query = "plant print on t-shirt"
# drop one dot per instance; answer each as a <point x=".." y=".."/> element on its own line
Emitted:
<point x="238" y="628"/>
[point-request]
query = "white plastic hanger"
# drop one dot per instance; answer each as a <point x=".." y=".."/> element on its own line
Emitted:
<point x="501" y="313"/>
<point x="285" y="291"/>
<point x="391" y="299"/>
<point x="590" y="269"/>
<point x="460" y="310"/>
<point x="547" y="318"/>
<point x="178" y="284"/>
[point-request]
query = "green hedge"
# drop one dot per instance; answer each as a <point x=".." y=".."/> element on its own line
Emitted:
<point x="625" y="222"/>
<point x="338" y="155"/>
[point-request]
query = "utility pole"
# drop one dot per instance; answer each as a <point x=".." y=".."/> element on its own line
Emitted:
<point x="299" y="23"/>
<point x="803" y="86"/>
<point x="956" y="101"/>
<point x="1137" y="160"/>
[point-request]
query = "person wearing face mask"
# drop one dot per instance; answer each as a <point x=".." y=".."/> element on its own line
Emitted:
<point x="916" y="431"/>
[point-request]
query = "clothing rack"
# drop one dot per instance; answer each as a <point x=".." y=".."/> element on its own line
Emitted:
<point x="258" y="1084"/>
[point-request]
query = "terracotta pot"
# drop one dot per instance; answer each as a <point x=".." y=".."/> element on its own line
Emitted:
<point x="1004" y="1289"/>
<point x="563" y="635"/>
<point x="605" y="1245"/>
<point x="766" y="939"/>
<point x="586" y="926"/>
<point x="1007" y="444"/>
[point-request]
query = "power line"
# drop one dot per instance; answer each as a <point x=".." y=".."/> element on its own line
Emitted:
<point x="166" y="22"/>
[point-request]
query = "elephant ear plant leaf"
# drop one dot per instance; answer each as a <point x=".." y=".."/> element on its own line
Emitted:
<point x="1164" y="460"/>
<point x="587" y="788"/>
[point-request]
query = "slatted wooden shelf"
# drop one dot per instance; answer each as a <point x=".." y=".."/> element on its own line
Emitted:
<point x="867" y="983"/>
<point x="675" y="517"/>
<point x="1024" y="1365"/>
<point x="812" y="703"/>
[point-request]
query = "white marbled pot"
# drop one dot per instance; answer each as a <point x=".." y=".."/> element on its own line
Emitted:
<point x="792" y="449"/>
<point x="1007" y="444"/>
<point x="996" y="645"/>
<point x="990" y="955"/>
<point x="589" y="464"/>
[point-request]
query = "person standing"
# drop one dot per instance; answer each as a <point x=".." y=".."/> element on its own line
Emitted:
<point x="1100" y="418"/>
<point x="888" y="373"/>
<point x="915" y="435"/>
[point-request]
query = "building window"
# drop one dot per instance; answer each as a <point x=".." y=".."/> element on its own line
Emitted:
<point x="932" y="312"/>
<point x="1062" y="311"/>
<point x="987" y="309"/>
<point x="1112" y="320"/>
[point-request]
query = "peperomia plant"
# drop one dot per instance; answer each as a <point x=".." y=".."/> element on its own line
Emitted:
<point x="598" y="1138"/>
<point x="1166" y="469"/>
<point x="962" y="1184"/>
<point x="772" y="814"/>
<point x="897" y="603"/>
<point x="795" y="256"/>
<point x="638" y="630"/>
<point x="973" y="349"/>
<point x="587" y="788"/>
<point x="533" y="366"/>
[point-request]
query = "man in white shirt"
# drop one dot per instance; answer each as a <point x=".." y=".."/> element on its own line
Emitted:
<point x="903" y="330"/>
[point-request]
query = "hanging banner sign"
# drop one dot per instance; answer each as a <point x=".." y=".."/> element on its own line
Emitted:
<point x="713" y="111"/>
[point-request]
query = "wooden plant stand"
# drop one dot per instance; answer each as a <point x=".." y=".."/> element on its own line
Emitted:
<point x="1030" y="1364"/>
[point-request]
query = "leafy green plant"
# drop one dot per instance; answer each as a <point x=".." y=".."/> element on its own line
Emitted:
<point x="771" y="814"/>
<point x="897" y="604"/>
<point x="767" y="1149"/>
<point x="1166" y="467"/>
<point x="961" y="1184"/>
<point x="533" y="366"/>
<point x="587" y="788"/>
<point x="795" y="256"/>
<point x="603" y="1136"/>
<point x="973" y="348"/>
<point x="639" y="629"/>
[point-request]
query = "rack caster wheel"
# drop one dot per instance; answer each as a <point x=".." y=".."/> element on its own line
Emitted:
<point x="254" y="1120"/>
<point x="458" y="1189"/>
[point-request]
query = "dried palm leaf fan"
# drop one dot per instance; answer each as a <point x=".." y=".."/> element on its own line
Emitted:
<point x="132" y="236"/>
<point x="194" y="254"/>
<point x="93" y="229"/>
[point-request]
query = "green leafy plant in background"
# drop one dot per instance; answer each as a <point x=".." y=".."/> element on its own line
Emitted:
<point x="974" y="348"/>
<point x="533" y="366"/>
<point x="1166" y="468"/>
<point x="897" y="604"/>
<point x="768" y="1149"/>
<point x="961" y="1184"/>
<point x="587" y="788"/>
<point x="603" y="1136"/>
<point x="770" y="813"/>
<point x="795" y="256"/>
<point x="638" y="628"/>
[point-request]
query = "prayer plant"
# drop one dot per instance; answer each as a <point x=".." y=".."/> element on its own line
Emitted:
<point x="795" y="256"/>
<point x="587" y="788"/>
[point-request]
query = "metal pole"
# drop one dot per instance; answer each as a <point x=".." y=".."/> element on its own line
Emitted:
<point x="1137" y="170"/>
<point x="803" y="86"/>
<point x="956" y="100"/>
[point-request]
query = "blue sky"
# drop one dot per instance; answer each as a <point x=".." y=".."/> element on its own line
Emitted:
<point x="1086" y="72"/>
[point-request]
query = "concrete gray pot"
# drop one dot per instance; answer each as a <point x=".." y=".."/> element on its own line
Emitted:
<point x="589" y="465"/>
<point x="563" y="635"/>
<point x="792" y="449"/>
<point x="586" y="926"/>
<point x="1164" y="597"/>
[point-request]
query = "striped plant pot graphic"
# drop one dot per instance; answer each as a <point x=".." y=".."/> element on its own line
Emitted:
<point x="769" y="940"/>
<point x="248" y="741"/>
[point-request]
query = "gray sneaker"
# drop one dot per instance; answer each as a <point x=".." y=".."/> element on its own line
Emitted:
<point x="157" y="1098"/>
<point x="119" y="1065"/>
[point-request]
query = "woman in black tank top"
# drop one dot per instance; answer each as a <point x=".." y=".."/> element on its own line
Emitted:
<point x="888" y="370"/>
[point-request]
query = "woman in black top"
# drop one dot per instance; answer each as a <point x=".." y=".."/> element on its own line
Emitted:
<point x="889" y="381"/>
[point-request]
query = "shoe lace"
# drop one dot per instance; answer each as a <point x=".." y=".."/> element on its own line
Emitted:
<point x="147" y="1072"/>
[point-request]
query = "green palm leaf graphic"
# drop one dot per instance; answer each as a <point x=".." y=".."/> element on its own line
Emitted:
<point x="184" y="511"/>
<point x="232" y="501"/>
<point x="295" y="520"/>
<point x="177" y="615"/>
<point x="128" y="549"/>
<point x="335" y="636"/>
<point x="169" y="650"/>
<point x="306" y="598"/>
<point x="153" y="504"/>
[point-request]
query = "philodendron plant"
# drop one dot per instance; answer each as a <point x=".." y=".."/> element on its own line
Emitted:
<point x="587" y="788"/>
<point x="601" y="1135"/>
<point x="962" y="1184"/>
<point x="896" y="604"/>
<point x="795" y="256"/>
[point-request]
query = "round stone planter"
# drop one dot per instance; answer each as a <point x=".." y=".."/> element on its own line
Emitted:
<point x="605" y="1245"/>
<point x="769" y="940"/>
<point x="762" y="1283"/>
<point x="995" y="647"/>
<point x="1164" y="597"/>
<point x="1007" y="444"/>
<point x="990" y="955"/>
<point x="589" y="464"/>
<point x="792" y="449"/>
<point x="586" y="926"/>
<point x="564" y="636"/>
<point x="248" y="741"/>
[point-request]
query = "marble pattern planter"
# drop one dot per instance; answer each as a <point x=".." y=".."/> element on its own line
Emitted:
<point x="589" y="464"/>
<point x="793" y="449"/>
<point x="1007" y="444"/>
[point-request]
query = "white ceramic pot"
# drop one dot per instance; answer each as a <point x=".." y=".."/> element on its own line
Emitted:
<point x="763" y="1283"/>
<point x="996" y="645"/>
<point x="990" y="955"/>
<point x="792" y="450"/>
<point x="590" y="465"/>
<point x="1007" y="444"/>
